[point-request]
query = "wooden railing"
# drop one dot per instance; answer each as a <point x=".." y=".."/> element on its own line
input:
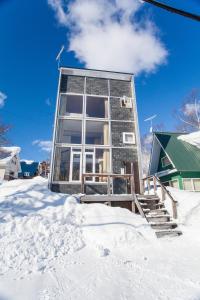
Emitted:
<point x="156" y="181"/>
<point x="107" y="179"/>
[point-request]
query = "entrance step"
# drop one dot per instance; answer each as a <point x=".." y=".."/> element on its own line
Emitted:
<point x="172" y="233"/>
<point x="157" y="218"/>
<point x="163" y="225"/>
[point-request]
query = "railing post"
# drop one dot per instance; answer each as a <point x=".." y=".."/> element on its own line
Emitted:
<point x="148" y="185"/>
<point x="155" y="185"/>
<point x="163" y="194"/>
<point x="174" y="208"/>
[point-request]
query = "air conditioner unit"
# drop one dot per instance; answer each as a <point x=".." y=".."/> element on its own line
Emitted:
<point x="126" y="102"/>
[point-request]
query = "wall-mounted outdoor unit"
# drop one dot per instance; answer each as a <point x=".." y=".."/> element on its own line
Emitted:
<point x="126" y="102"/>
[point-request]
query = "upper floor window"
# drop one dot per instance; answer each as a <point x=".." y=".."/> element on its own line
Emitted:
<point x="69" y="132"/>
<point x="96" y="107"/>
<point x="165" y="161"/>
<point x="71" y="105"/>
<point x="97" y="133"/>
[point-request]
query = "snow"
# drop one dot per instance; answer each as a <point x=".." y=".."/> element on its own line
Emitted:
<point x="28" y="162"/>
<point x="191" y="138"/>
<point x="52" y="247"/>
<point x="11" y="152"/>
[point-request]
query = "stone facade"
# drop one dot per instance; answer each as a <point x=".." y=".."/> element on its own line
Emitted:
<point x="117" y="113"/>
<point x="121" y="120"/>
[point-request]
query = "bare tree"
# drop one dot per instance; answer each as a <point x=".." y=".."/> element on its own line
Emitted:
<point x="3" y="134"/>
<point x="188" y="115"/>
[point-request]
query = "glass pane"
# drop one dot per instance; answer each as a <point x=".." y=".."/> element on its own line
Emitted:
<point x="71" y="105"/>
<point x="62" y="164"/>
<point x="97" y="133"/>
<point x="165" y="161"/>
<point x="97" y="107"/>
<point x="76" y="167"/>
<point x="175" y="184"/>
<point x="196" y="183"/>
<point x="70" y="132"/>
<point x="187" y="184"/>
<point x="102" y="163"/>
<point x="89" y="163"/>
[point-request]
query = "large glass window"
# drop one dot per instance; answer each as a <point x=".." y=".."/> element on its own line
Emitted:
<point x="187" y="184"/>
<point x="97" y="133"/>
<point x="175" y="184"/>
<point x="96" y="107"/>
<point x="196" y="183"/>
<point x="75" y="166"/>
<point x="71" y="105"/>
<point x="62" y="164"/>
<point x="70" y="132"/>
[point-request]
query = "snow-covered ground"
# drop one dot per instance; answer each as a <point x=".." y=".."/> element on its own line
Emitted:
<point x="51" y="247"/>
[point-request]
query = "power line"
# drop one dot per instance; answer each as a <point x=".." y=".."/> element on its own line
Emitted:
<point x="174" y="10"/>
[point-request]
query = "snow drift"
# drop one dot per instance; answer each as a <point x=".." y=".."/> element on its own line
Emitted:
<point x="38" y="226"/>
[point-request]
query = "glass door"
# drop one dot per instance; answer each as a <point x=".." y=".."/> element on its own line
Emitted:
<point x="75" y="166"/>
<point x="89" y="165"/>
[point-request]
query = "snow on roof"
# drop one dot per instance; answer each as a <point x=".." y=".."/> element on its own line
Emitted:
<point x="27" y="161"/>
<point x="7" y="153"/>
<point x="191" y="138"/>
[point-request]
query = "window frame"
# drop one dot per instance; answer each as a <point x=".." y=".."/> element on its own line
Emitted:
<point x="165" y="165"/>
<point x="79" y="116"/>
<point x="133" y="142"/>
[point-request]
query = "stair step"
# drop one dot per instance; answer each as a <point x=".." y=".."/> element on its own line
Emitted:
<point x="152" y="206"/>
<point x="158" y="218"/>
<point x="147" y="196"/>
<point x="160" y="211"/>
<point x="149" y="199"/>
<point x="163" y="233"/>
<point x="163" y="225"/>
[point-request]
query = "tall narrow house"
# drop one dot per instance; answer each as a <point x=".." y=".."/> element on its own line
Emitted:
<point x="96" y="132"/>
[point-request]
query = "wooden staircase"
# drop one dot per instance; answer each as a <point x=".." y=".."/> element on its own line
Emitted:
<point x="153" y="209"/>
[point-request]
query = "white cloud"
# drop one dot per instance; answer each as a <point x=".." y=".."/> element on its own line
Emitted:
<point x="3" y="97"/>
<point x="105" y="34"/>
<point x="43" y="145"/>
<point x="191" y="109"/>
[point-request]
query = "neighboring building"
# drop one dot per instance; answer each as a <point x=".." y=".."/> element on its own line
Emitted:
<point x="29" y="169"/>
<point x="44" y="169"/>
<point x="175" y="161"/>
<point x="96" y="131"/>
<point x="9" y="163"/>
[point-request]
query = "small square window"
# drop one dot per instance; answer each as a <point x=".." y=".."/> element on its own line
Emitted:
<point x="128" y="138"/>
<point x="165" y="161"/>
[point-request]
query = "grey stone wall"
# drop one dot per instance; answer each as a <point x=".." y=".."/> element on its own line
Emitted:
<point x="120" y="113"/>
<point x="119" y="155"/>
<point x="90" y="189"/>
<point x="97" y="86"/>
<point x="66" y="188"/>
<point x="72" y="84"/>
<point x="117" y="129"/>
<point x="119" y="88"/>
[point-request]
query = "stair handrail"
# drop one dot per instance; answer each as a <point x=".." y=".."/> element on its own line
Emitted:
<point x="164" y="191"/>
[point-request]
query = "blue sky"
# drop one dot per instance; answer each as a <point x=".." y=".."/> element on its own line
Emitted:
<point x="30" y="39"/>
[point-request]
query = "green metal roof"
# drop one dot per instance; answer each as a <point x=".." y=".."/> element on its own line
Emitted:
<point x="184" y="156"/>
